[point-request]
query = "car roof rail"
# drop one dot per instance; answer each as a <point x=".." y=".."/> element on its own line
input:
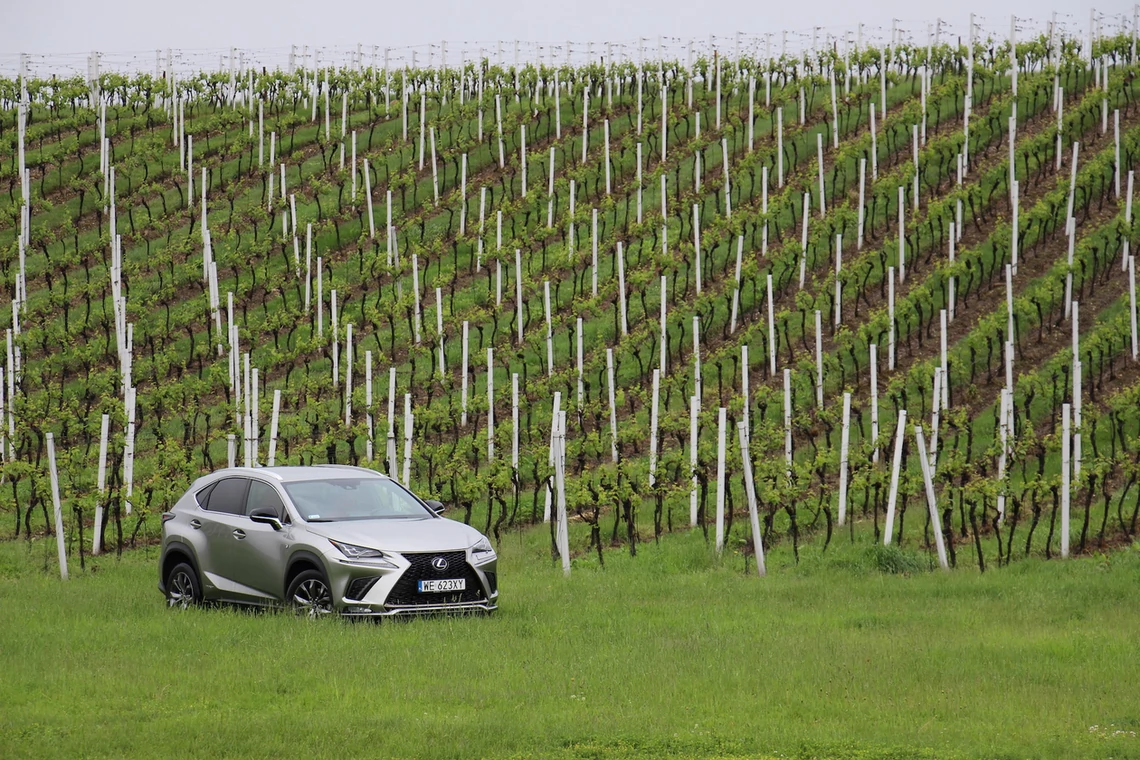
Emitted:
<point x="351" y="467"/>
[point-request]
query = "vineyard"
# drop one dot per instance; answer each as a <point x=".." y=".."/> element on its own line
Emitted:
<point x="766" y="297"/>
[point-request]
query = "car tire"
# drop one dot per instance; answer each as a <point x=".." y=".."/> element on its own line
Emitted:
<point x="309" y="594"/>
<point x="182" y="587"/>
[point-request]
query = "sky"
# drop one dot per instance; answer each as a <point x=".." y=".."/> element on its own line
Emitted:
<point x="65" y="30"/>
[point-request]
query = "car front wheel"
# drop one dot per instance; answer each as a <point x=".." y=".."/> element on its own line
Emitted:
<point x="182" y="588"/>
<point x="309" y="594"/>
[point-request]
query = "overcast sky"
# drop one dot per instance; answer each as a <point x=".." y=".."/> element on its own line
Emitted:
<point x="118" y="26"/>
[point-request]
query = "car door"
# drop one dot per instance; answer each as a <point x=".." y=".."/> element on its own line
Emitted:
<point x="258" y="554"/>
<point x="220" y="520"/>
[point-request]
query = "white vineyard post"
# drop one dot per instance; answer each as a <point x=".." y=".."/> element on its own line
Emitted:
<point x="101" y="487"/>
<point x="896" y="462"/>
<point x="844" y="443"/>
<point x="408" y="422"/>
<point x="347" y="376"/>
<point x="694" y="413"/>
<point x="273" y="427"/>
<point x="439" y="329"/>
<point x="60" y="541"/>
<point x="891" y="318"/>
<point x="515" y="423"/>
<point x="788" y="423"/>
<point x="771" y="330"/>
<point x="463" y="377"/>
<point x="818" y="360"/>
<point x="1066" y="478"/>
<point x="613" y="405"/>
<point x="369" y="446"/>
<point x="720" y="478"/>
<point x="838" y="280"/>
<point x="519" y="293"/>
<point x="931" y="502"/>
<point x="819" y="155"/>
<point x="750" y="491"/>
<point x="621" y="289"/>
<point x="653" y="416"/>
<point x="490" y="404"/>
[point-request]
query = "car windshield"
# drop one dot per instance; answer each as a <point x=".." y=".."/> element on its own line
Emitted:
<point x="337" y="499"/>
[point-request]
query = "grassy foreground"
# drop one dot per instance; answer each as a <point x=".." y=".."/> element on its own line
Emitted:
<point x="667" y="654"/>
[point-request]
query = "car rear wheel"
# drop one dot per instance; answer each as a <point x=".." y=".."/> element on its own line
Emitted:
<point x="182" y="590"/>
<point x="309" y="594"/>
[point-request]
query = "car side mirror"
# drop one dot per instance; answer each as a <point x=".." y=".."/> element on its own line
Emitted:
<point x="266" y="517"/>
<point x="435" y="506"/>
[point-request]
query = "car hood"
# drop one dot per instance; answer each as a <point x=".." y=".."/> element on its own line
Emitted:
<point x="400" y="535"/>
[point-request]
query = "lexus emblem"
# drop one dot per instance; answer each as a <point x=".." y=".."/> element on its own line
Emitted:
<point x="439" y="563"/>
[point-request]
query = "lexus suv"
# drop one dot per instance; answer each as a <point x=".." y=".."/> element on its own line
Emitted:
<point x="321" y="539"/>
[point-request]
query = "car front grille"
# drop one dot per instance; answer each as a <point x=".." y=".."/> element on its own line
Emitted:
<point x="406" y="591"/>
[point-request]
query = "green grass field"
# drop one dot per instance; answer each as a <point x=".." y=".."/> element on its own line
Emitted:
<point x="667" y="654"/>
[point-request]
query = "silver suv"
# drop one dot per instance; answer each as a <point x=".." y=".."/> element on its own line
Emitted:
<point x="322" y="539"/>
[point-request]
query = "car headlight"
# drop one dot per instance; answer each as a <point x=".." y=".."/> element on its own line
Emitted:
<point x="483" y="551"/>
<point x="352" y="551"/>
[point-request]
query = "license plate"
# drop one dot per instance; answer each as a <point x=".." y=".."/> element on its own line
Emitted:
<point x="443" y="586"/>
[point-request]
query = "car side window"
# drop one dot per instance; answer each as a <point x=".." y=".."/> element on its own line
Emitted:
<point x="263" y="497"/>
<point x="203" y="496"/>
<point x="228" y="496"/>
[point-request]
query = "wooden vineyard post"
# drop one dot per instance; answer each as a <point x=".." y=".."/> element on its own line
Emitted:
<point x="896" y="462"/>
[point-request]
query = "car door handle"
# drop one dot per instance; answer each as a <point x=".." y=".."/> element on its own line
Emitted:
<point x="239" y="534"/>
<point x="197" y="524"/>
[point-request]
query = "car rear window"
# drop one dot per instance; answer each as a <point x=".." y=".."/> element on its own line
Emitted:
<point x="227" y="495"/>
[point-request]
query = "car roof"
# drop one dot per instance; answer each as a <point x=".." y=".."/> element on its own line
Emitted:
<point x="299" y="473"/>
